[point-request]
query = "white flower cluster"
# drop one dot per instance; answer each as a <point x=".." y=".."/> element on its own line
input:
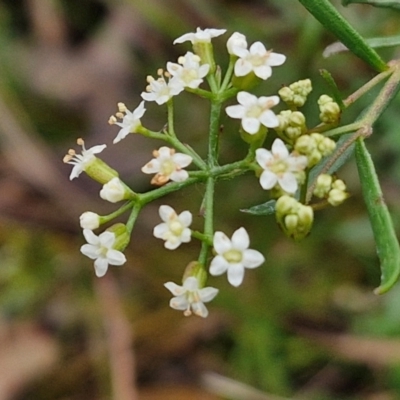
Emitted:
<point x="281" y="170"/>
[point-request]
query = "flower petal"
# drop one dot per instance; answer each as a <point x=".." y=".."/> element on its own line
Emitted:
<point x="240" y="239"/>
<point x="174" y="288"/>
<point x="115" y="257"/>
<point x="279" y="149"/>
<point x="200" y="309"/>
<point x="288" y="182"/>
<point x="252" y="258"/>
<point x="221" y="242"/>
<point x="218" y="265"/>
<point x="251" y="125"/>
<point x="101" y="266"/>
<point x="235" y="274"/>
<point x="268" y="180"/>
<point x="207" y="294"/>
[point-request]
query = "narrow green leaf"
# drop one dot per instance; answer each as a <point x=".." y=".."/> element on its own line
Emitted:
<point x="388" y="248"/>
<point x="267" y="208"/>
<point x="333" y="87"/>
<point x="376" y="3"/>
<point x="330" y="18"/>
<point x="375" y="43"/>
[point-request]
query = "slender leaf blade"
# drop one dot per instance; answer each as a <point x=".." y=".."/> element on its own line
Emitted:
<point x="331" y="19"/>
<point x="261" y="209"/>
<point x="387" y="245"/>
<point x="394" y="4"/>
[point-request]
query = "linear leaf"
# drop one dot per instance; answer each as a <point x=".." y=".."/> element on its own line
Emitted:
<point x="330" y="18"/>
<point x="394" y="4"/>
<point x="388" y="248"/>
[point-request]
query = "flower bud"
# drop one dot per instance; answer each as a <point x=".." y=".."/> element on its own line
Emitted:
<point x="122" y="236"/>
<point x="294" y="218"/>
<point x="329" y="110"/>
<point x="89" y="220"/>
<point x="237" y="44"/>
<point x="323" y="185"/>
<point x="115" y="190"/>
<point x="194" y="268"/>
<point x="296" y="94"/>
<point x="337" y="197"/>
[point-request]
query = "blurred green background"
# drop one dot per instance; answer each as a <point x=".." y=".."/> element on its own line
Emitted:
<point x="305" y="325"/>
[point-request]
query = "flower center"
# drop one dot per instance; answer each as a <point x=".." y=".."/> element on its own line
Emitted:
<point x="254" y="111"/>
<point x="176" y="228"/>
<point x="167" y="167"/>
<point x="189" y="75"/>
<point x="278" y="166"/>
<point x="233" y="256"/>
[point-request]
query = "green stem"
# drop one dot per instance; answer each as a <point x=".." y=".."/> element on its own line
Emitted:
<point x="144" y="198"/>
<point x="171" y="129"/>
<point x="132" y="218"/>
<point x="228" y="74"/>
<point x="117" y="213"/>
<point x="213" y="143"/>
<point x="365" y="88"/>
<point x="208" y="220"/>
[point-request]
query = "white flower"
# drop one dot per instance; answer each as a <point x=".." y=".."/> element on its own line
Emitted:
<point x="234" y="255"/>
<point x="89" y="220"/>
<point x="130" y="120"/>
<point x="167" y="165"/>
<point x="279" y="167"/>
<point x="113" y="191"/>
<point x="254" y="111"/>
<point x="237" y="45"/>
<point x="175" y="228"/>
<point x="81" y="161"/>
<point x="258" y="60"/>
<point x="190" y="298"/>
<point x="159" y="90"/>
<point x="100" y="248"/>
<point x="188" y="72"/>
<point x="201" y="36"/>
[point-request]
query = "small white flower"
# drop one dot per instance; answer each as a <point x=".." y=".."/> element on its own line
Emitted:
<point x="159" y="90"/>
<point x="258" y="60"/>
<point x="100" y="248"/>
<point x="188" y="72"/>
<point x="254" y="111"/>
<point x="113" y="191"/>
<point x="167" y="165"/>
<point x="89" y="220"/>
<point x="201" y="36"/>
<point x="130" y="120"/>
<point x="280" y="167"/>
<point x="234" y="255"/>
<point x="175" y="228"/>
<point x="237" y="45"/>
<point x="190" y="298"/>
<point x="81" y="161"/>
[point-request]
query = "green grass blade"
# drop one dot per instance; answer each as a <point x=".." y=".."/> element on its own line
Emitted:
<point x="385" y="237"/>
<point x="330" y="18"/>
<point x="394" y="4"/>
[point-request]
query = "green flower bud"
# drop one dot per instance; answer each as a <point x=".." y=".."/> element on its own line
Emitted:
<point x="296" y="94"/>
<point x="337" y="197"/>
<point x="122" y="236"/>
<point x="323" y="185"/>
<point x="194" y="268"/>
<point x="329" y="110"/>
<point x="294" y="218"/>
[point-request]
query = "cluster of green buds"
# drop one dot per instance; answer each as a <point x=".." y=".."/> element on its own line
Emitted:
<point x="329" y="110"/>
<point x="331" y="189"/>
<point x="314" y="146"/>
<point x="293" y="217"/>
